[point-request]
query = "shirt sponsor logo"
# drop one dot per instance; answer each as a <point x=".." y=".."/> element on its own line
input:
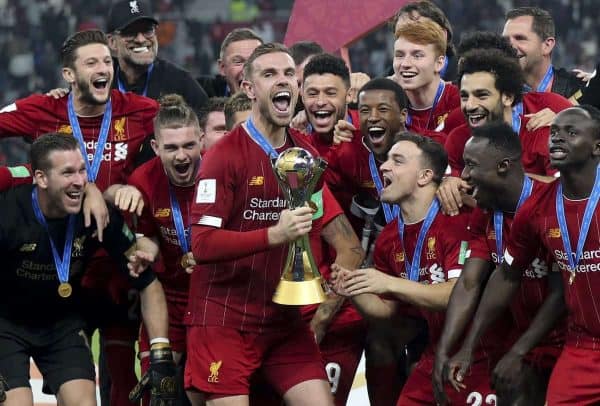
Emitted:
<point x="118" y="153"/>
<point x="563" y="261"/>
<point x="28" y="247"/>
<point x="256" y="181"/>
<point x="262" y="209"/>
<point x="119" y="134"/>
<point x="214" y="371"/>
<point x="207" y="191"/>
<point x="164" y="212"/>
<point x="554" y="233"/>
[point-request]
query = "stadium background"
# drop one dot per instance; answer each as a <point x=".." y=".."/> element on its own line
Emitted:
<point x="191" y="31"/>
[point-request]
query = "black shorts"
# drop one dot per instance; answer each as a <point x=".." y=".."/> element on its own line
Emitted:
<point x="60" y="351"/>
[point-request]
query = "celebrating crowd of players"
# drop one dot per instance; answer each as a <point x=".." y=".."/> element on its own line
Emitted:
<point x="456" y="222"/>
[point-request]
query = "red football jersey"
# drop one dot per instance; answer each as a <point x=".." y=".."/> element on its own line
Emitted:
<point x="157" y="221"/>
<point x="14" y="176"/>
<point x="440" y="258"/>
<point x="237" y="191"/>
<point x="534" y="287"/>
<point x="131" y="123"/>
<point x="535" y="157"/>
<point x="435" y="120"/>
<point x="536" y="224"/>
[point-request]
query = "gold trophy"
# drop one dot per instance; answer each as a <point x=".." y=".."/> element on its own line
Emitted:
<point x="297" y="172"/>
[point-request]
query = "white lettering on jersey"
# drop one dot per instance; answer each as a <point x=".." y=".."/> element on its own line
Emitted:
<point x="437" y="274"/>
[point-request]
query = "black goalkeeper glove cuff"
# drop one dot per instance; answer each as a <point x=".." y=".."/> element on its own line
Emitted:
<point x="160" y="379"/>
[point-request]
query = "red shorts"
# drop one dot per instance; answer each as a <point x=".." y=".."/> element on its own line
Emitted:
<point x="341" y="350"/>
<point x="176" y="306"/>
<point x="575" y="379"/>
<point x="418" y="389"/>
<point x="221" y="360"/>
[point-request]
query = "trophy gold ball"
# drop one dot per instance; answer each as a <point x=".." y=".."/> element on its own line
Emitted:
<point x="298" y="173"/>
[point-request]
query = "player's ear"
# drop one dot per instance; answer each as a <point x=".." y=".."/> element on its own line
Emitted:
<point x="112" y="42"/>
<point x="41" y="180"/>
<point x="508" y="99"/>
<point x="425" y="177"/>
<point x="503" y="166"/>
<point x="596" y="148"/>
<point x="154" y="145"/>
<point x="248" y="88"/>
<point x="68" y="75"/>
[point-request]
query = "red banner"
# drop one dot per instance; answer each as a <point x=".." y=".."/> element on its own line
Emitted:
<point x="337" y="23"/>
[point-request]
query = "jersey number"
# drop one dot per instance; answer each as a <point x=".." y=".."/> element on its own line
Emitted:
<point x="334" y="371"/>
<point x="476" y="399"/>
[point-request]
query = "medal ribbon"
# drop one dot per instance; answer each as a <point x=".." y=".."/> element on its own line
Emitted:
<point x="62" y="265"/>
<point x="260" y="139"/>
<point x="184" y="242"/>
<point x="390" y="211"/>
<point x="92" y="171"/>
<point x="499" y="215"/>
<point x="590" y="207"/>
<point x="414" y="266"/>
<point x="436" y="100"/>
<point x="545" y="83"/>
<point x="121" y="86"/>
<point x="517" y="112"/>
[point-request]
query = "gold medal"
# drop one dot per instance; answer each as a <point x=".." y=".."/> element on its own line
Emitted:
<point x="185" y="260"/>
<point x="65" y="290"/>
<point x="572" y="277"/>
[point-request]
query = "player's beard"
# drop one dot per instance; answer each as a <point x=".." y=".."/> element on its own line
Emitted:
<point x="86" y="94"/>
<point x="265" y="111"/>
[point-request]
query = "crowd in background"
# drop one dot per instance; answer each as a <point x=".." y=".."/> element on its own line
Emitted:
<point x="191" y="32"/>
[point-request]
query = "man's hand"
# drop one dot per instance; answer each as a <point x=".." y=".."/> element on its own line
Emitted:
<point x="437" y="379"/>
<point x="343" y="132"/>
<point x="58" y="92"/>
<point x="292" y="224"/>
<point x="3" y="389"/>
<point x="300" y="122"/>
<point x="507" y="374"/>
<point x="160" y="378"/>
<point x="583" y="75"/>
<point x="95" y="205"/>
<point x="129" y="198"/>
<point x="357" y="80"/>
<point x="450" y="194"/>
<point x="458" y="368"/>
<point x="191" y="262"/>
<point x="367" y="280"/>
<point x="141" y="255"/>
<point x="337" y="278"/>
<point x="542" y="118"/>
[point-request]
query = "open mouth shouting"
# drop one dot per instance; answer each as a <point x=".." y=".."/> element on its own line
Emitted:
<point x="282" y="102"/>
<point x="376" y="135"/>
<point x="100" y="83"/>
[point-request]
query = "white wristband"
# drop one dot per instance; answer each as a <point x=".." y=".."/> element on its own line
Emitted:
<point x="158" y="340"/>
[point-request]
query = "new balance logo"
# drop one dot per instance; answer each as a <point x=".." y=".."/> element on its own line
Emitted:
<point x="256" y="181"/>
<point x="166" y="212"/>
<point x="554" y="233"/>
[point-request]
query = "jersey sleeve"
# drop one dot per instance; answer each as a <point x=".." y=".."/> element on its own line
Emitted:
<point x="14" y="176"/>
<point x="478" y="247"/>
<point x="118" y="238"/>
<point x="455" y="148"/>
<point x="456" y="245"/>
<point x="523" y="242"/>
<point x="19" y="118"/>
<point x="331" y="207"/>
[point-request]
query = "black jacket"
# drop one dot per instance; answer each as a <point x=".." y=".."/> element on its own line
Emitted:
<point x="566" y="84"/>
<point x="215" y="86"/>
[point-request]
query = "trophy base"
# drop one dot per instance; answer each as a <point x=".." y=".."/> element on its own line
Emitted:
<point x="299" y="293"/>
